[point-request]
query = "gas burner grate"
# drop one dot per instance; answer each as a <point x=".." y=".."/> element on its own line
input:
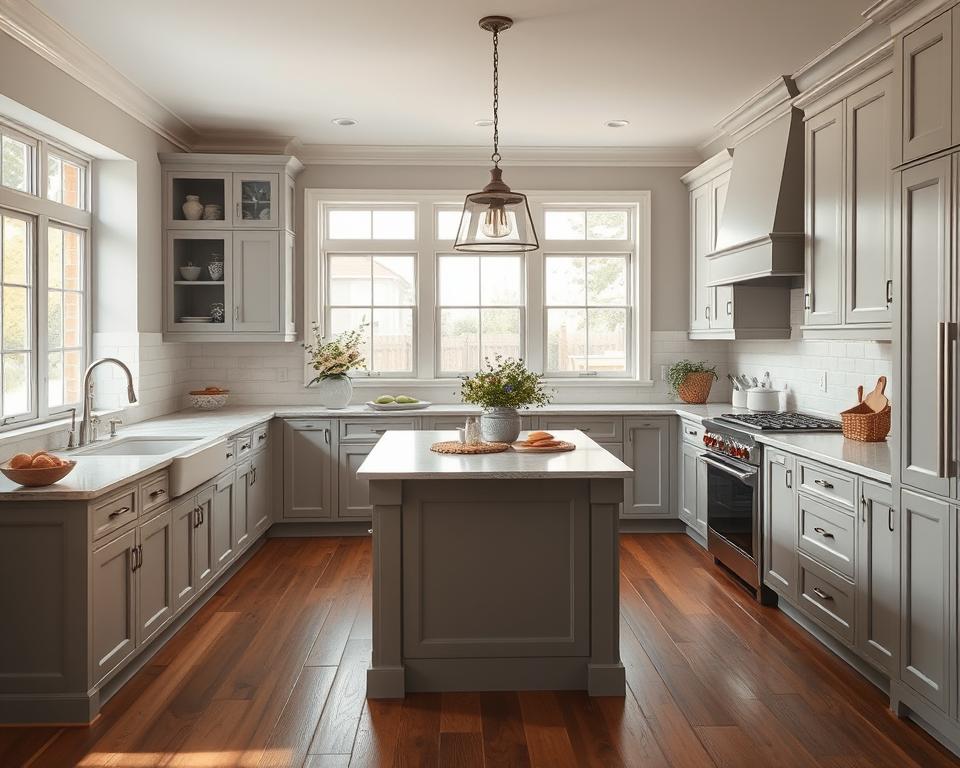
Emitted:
<point x="783" y="421"/>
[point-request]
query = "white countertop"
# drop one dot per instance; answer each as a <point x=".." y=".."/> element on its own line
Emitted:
<point x="407" y="456"/>
<point x="871" y="460"/>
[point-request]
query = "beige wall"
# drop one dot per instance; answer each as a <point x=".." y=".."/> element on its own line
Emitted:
<point x="36" y="84"/>
<point x="669" y="200"/>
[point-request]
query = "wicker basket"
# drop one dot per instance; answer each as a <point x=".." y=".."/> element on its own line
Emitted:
<point x="863" y="423"/>
<point x="695" y="387"/>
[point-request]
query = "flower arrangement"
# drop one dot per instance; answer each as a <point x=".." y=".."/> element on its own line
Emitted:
<point x="335" y="357"/>
<point x="504" y="383"/>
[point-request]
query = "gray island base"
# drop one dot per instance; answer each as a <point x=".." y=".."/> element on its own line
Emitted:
<point x="494" y="572"/>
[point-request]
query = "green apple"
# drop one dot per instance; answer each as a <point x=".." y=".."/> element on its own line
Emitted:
<point x="406" y="399"/>
<point x="385" y="400"/>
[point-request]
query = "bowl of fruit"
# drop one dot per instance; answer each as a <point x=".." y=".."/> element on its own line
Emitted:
<point x="397" y="403"/>
<point x="38" y="469"/>
<point x="209" y="399"/>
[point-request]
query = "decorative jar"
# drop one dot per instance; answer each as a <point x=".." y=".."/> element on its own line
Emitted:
<point x="500" y="425"/>
<point x="334" y="391"/>
<point x="215" y="268"/>
<point x="193" y="208"/>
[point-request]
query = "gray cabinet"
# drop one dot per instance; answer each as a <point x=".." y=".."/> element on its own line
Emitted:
<point x="259" y="506"/>
<point x="928" y="104"/>
<point x="648" y="445"/>
<point x="308" y="460"/>
<point x="689" y="456"/>
<point x="353" y="493"/>
<point x="242" y="525"/>
<point x="701" y="243"/>
<point x="183" y="568"/>
<point x="256" y="200"/>
<point x="258" y="274"/>
<point x="780" y="563"/>
<point x="113" y="617"/>
<point x="927" y="577"/>
<point x="204" y="549"/>
<point x="154" y="575"/>
<point x="221" y="520"/>
<point x="878" y="578"/>
<point x="926" y="327"/>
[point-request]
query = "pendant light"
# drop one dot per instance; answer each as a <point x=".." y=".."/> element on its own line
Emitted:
<point x="496" y="219"/>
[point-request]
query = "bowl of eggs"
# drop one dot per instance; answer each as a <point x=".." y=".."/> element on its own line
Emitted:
<point x="38" y="469"/>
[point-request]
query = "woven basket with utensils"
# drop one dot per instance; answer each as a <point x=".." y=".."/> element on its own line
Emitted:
<point x="869" y="420"/>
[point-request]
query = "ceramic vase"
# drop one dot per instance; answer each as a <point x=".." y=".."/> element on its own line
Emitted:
<point x="215" y="268"/>
<point x="334" y="391"/>
<point x="500" y="425"/>
<point x="193" y="208"/>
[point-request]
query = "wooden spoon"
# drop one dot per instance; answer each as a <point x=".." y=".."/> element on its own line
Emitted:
<point x="876" y="400"/>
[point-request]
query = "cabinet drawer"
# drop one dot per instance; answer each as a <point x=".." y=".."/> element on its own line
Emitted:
<point x="827" y="599"/>
<point x="827" y="484"/>
<point x="369" y="430"/>
<point x="602" y="429"/>
<point x="154" y="492"/>
<point x="692" y="432"/>
<point x="115" y="513"/>
<point x="261" y="437"/>
<point x="244" y="445"/>
<point x="828" y="535"/>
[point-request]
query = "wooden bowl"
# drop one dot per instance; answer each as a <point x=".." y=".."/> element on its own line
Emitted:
<point x="39" y="477"/>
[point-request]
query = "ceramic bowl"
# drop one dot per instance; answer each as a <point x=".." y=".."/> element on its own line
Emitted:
<point x="204" y="402"/>
<point x="190" y="273"/>
<point x="37" y="478"/>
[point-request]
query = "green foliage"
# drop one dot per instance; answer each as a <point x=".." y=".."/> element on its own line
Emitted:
<point x="504" y="383"/>
<point x="335" y="357"/>
<point x="677" y="372"/>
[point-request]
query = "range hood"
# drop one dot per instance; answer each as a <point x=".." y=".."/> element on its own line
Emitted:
<point x="760" y="237"/>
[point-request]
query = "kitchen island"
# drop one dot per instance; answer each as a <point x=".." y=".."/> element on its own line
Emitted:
<point x="494" y="572"/>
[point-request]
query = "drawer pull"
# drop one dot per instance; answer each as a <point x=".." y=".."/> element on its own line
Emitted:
<point x="230" y="455"/>
<point x="261" y="438"/>
<point x="370" y="531"/>
<point x="788" y="478"/>
<point x="118" y="512"/>
<point x="823" y="532"/>
<point x="823" y="483"/>
<point x="584" y="429"/>
<point x="245" y="447"/>
<point x="691" y="432"/>
<point x="821" y="594"/>
<point x="133" y="558"/>
<point x="378" y="431"/>
<point x="158" y="492"/>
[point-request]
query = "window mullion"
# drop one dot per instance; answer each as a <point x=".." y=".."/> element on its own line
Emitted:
<point x="41" y="281"/>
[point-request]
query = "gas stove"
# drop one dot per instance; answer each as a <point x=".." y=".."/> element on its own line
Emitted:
<point x="781" y="421"/>
<point x="734" y="434"/>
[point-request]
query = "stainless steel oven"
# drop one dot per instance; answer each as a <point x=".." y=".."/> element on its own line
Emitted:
<point x="733" y="516"/>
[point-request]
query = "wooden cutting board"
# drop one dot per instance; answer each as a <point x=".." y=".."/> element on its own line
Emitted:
<point x="876" y="400"/>
<point x="564" y="446"/>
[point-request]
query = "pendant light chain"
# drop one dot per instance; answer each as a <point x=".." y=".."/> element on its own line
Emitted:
<point x="496" y="99"/>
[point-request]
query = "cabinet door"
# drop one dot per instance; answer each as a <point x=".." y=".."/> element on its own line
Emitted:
<point x="183" y="567"/>
<point x="878" y="577"/>
<point x="701" y="243"/>
<point x="648" y="448"/>
<point x="114" y="619"/>
<point x="868" y="251"/>
<point x="824" y="217"/>
<point x="213" y="189"/>
<point x="256" y="200"/>
<point x="924" y="320"/>
<point x="257" y="274"/>
<point x="702" y="519"/>
<point x="722" y="314"/>
<point x="780" y="524"/>
<point x="242" y="529"/>
<point x="925" y="597"/>
<point x="154" y="576"/>
<point x="221" y="521"/>
<point x="689" y="456"/>
<point x="353" y="493"/>
<point x="307" y="460"/>
<point x="203" y="545"/>
<point x="197" y="298"/>
<point x="260" y="494"/>
<point x="927" y="74"/>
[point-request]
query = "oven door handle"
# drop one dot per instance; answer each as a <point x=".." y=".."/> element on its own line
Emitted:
<point x="747" y="477"/>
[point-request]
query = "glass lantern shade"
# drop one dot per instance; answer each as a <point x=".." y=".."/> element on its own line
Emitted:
<point x="496" y="220"/>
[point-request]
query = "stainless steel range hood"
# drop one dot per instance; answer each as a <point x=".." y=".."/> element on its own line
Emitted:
<point x="760" y="238"/>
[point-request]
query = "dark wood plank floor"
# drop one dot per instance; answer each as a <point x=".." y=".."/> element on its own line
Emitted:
<point x="271" y="673"/>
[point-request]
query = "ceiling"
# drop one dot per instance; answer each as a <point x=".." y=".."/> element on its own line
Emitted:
<point x="418" y="72"/>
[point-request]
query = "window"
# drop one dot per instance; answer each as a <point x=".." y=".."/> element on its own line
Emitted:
<point x="577" y="309"/>
<point x="44" y="266"/>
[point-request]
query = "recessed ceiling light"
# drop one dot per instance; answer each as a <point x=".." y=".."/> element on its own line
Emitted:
<point x="344" y="121"/>
<point x="617" y="123"/>
<point x="483" y="123"/>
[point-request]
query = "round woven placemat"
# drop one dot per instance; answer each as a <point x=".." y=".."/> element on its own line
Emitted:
<point x="452" y="446"/>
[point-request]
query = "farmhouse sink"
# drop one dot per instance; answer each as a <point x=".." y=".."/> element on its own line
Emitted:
<point x="139" y="446"/>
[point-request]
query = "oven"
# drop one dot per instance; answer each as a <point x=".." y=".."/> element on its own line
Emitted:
<point x="733" y="516"/>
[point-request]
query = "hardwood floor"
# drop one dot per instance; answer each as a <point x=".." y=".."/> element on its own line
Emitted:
<point x="271" y="673"/>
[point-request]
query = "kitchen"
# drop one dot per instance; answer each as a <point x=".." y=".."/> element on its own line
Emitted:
<point x="253" y="343"/>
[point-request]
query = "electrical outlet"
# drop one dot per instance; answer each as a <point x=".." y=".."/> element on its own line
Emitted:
<point x="281" y="374"/>
<point x="822" y="381"/>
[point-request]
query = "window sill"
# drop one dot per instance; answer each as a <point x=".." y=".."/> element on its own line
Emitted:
<point x="374" y="382"/>
<point x="41" y="429"/>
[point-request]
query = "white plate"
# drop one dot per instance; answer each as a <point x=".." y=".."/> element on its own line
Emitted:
<point x="195" y="320"/>
<point x="399" y="406"/>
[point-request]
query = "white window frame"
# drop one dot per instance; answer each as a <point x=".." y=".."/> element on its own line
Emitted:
<point x="44" y="213"/>
<point x="426" y="314"/>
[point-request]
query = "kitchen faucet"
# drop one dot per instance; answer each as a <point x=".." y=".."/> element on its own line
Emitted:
<point x="85" y="421"/>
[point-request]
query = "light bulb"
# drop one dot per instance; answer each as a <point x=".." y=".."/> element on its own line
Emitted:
<point x="496" y="224"/>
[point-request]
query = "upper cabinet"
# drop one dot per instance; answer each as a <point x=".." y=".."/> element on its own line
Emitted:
<point x="228" y="247"/>
<point x="848" y="273"/>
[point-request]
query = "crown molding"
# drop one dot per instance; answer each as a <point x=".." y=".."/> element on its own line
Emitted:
<point x="900" y="14"/>
<point x="868" y="64"/>
<point x="352" y="154"/>
<point x="243" y="143"/>
<point x="714" y="166"/>
<point x="32" y="28"/>
<point x="760" y="109"/>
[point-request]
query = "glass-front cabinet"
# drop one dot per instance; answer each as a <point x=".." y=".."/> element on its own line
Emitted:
<point x="228" y="247"/>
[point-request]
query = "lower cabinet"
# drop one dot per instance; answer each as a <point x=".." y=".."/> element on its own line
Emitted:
<point x="352" y="492"/>
<point x="780" y="523"/>
<point x="204" y="551"/>
<point x="648" y="448"/>
<point x="925" y="597"/>
<point x="878" y="578"/>
<point x="242" y="528"/>
<point x="689" y="485"/>
<point x="308" y="460"/>
<point x="184" y="565"/>
<point x="260" y="493"/>
<point x="222" y="519"/>
<point x="154" y="576"/>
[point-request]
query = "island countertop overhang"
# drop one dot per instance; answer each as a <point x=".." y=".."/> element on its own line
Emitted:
<point x="406" y="455"/>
